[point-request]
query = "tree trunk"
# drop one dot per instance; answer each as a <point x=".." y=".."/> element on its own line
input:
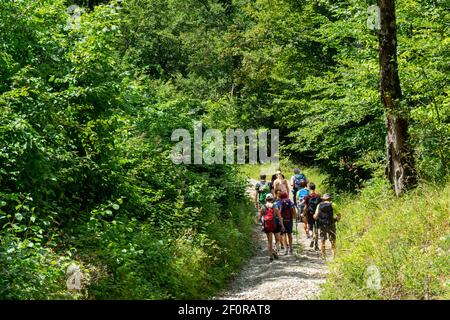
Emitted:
<point x="400" y="163"/>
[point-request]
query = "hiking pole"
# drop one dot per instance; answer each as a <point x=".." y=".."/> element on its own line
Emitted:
<point x="316" y="235"/>
<point x="296" y="234"/>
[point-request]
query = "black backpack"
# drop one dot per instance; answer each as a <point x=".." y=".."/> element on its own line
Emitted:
<point x="312" y="204"/>
<point x="325" y="214"/>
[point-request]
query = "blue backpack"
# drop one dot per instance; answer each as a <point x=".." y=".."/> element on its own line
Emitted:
<point x="297" y="178"/>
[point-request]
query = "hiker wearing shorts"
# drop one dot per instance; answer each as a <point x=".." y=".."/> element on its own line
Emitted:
<point x="267" y="216"/>
<point x="327" y="224"/>
<point x="279" y="240"/>
<point x="310" y="205"/>
<point x="287" y="209"/>
<point x="301" y="194"/>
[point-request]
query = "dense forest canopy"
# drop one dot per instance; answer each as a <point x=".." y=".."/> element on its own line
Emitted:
<point x="90" y="95"/>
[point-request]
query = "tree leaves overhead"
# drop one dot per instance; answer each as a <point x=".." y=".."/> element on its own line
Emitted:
<point x="311" y="69"/>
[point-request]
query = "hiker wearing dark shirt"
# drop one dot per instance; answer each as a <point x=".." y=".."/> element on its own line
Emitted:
<point x="326" y="219"/>
<point x="310" y="203"/>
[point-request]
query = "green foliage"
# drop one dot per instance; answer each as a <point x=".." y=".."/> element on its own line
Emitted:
<point x="88" y="103"/>
<point x="29" y="270"/>
<point x="85" y="131"/>
<point x="311" y="69"/>
<point x="407" y="239"/>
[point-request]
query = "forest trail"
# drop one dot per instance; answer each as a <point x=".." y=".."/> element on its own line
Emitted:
<point x="292" y="277"/>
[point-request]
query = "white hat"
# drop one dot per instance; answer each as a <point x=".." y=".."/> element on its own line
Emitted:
<point x="269" y="196"/>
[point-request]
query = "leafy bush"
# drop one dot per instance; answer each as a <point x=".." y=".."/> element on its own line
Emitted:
<point x="29" y="270"/>
<point x="85" y="135"/>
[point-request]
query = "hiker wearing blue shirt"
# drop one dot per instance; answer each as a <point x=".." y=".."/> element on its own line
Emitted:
<point x="301" y="194"/>
<point x="295" y="182"/>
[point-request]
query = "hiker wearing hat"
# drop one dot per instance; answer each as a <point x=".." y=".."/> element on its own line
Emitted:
<point x="327" y="224"/>
<point x="267" y="216"/>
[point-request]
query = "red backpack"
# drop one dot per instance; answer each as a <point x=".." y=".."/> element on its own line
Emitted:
<point x="269" y="219"/>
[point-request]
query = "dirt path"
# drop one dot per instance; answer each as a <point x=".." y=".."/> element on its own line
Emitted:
<point x="292" y="277"/>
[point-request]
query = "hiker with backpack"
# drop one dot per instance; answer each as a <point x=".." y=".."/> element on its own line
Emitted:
<point x="326" y="220"/>
<point x="262" y="188"/>
<point x="279" y="241"/>
<point x="267" y="216"/>
<point x="301" y="194"/>
<point x="287" y="209"/>
<point x="310" y="203"/>
<point x="295" y="182"/>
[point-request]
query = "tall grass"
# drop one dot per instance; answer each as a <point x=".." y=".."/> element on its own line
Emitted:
<point x="406" y="240"/>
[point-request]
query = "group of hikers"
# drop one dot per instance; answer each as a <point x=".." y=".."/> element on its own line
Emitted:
<point x="277" y="212"/>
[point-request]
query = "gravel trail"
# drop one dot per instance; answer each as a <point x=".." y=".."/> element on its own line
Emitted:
<point x="293" y="277"/>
